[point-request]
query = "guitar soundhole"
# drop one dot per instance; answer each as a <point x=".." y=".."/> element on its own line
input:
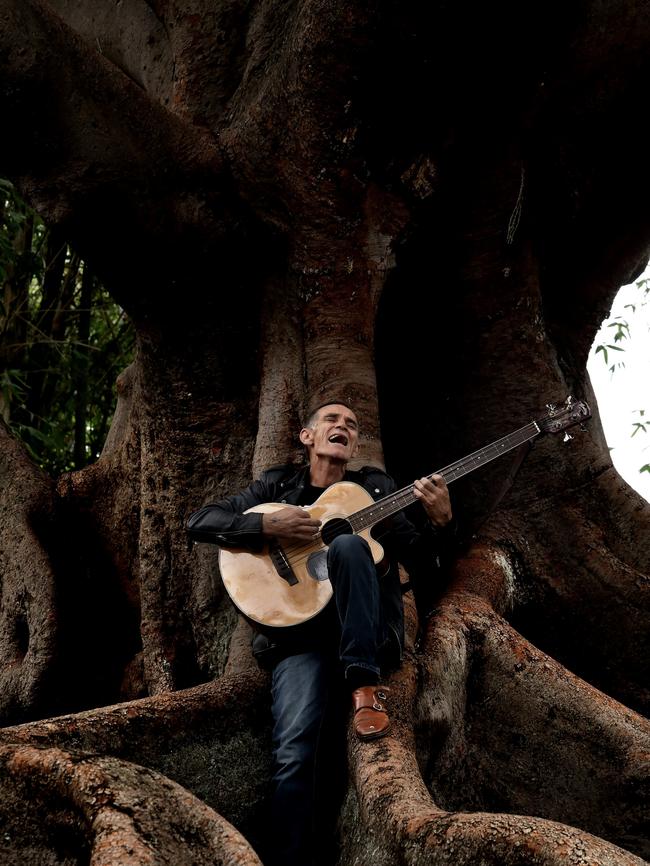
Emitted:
<point x="333" y="528"/>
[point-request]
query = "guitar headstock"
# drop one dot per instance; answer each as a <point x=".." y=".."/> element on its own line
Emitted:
<point x="564" y="415"/>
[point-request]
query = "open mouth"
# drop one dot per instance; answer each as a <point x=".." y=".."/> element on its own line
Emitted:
<point x="338" y="439"/>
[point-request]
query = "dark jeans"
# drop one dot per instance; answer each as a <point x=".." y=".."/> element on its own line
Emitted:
<point x="310" y="703"/>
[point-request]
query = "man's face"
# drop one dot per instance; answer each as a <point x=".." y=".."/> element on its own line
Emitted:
<point x="333" y="434"/>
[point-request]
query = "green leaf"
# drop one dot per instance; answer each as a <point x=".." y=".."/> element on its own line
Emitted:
<point x="602" y="349"/>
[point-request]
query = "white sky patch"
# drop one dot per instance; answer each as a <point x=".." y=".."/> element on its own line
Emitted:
<point x="624" y="393"/>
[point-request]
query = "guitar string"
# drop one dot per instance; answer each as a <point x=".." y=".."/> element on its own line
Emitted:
<point x="463" y="465"/>
<point x="304" y="551"/>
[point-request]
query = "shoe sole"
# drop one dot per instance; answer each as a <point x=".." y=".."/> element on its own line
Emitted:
<point x="375" y="735"/>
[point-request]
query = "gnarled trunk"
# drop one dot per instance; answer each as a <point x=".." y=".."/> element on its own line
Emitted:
<point x="425" y="213"/>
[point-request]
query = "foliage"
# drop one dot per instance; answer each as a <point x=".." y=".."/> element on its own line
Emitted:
<point x="642" y="425"/>
<point x="621" y="327"/>
<point x="63" y="341"/>
<point x="621" y="333"/>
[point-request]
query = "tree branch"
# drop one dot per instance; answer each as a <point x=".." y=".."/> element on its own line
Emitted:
<point x="95" y="155"/>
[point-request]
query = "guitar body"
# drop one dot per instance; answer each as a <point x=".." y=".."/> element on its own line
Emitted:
<point x="257" y="587"/>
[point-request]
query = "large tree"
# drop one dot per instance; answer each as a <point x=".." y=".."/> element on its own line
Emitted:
<point x="425" y="210"/>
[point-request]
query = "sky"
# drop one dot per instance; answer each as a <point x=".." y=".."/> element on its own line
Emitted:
<point x="624" y="393"/>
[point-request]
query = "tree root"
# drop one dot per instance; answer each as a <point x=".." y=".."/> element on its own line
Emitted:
<point x="460" y="779"/>
<point x="585" y="597"/>
<point x="578" y="757"/>
<point x="108" y="812"/>
<point x="199" y="737"/>
<point x="401" y="823"/>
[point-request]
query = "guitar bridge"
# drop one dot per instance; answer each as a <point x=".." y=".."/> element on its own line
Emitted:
<point x="282" y="564"/>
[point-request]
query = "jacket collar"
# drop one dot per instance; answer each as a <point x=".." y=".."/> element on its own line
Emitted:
<point x="296" y="482"/>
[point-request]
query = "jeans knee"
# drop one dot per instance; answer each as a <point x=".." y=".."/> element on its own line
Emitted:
<point x="348" y="546"/>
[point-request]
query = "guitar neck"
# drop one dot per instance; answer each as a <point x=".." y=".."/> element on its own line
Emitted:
<point x="400" y="499"/>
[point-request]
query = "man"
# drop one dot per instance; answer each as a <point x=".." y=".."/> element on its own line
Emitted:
<point x="360" y="632"/>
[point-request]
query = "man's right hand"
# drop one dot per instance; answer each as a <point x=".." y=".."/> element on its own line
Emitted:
<point x="292" y="524"/>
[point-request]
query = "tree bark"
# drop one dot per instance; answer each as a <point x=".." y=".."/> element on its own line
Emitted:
<point x="29" y="617"/>
<point x="425" y="212"/>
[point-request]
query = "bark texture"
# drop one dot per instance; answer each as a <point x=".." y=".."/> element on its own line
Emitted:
<point x="422" y="211"/>
<point x="29" y="630"/>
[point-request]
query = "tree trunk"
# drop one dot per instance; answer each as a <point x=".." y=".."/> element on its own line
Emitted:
<point x="81" y="370"/>
<point x="423" y="212"/>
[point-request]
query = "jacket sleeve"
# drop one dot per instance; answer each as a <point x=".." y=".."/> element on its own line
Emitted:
<point x="224" y="522"/>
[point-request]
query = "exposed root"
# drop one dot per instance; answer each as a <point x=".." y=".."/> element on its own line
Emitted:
<point x="584" y="592"/>
<point x="402" y="824"/>
<point x="199" y="737"/>
<point x="112" y="812"/>
<point x="577" y="757"/>
<point x="499" y="726"/>
<point x="145" y="726"/>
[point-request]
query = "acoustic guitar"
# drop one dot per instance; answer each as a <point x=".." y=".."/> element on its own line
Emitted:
<point x="287" y="583"/>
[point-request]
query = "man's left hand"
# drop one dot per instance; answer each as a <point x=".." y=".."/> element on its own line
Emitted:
<point x="434" y="496"/>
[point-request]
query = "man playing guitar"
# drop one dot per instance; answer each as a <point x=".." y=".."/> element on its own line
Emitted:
<point x="357" y="634"/>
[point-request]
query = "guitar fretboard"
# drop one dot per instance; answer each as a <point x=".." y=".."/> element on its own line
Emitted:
<point x="400" y="499"/>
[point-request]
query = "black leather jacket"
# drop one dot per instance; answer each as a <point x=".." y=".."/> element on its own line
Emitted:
<point x="224" y="523"/>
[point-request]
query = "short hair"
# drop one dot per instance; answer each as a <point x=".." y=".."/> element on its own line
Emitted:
<point x="310" y="419"/>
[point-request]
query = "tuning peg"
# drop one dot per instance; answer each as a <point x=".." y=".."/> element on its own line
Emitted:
<point x="569" y="401"/>
<point x="567" y="437"/>
<point x="552" y="408"/>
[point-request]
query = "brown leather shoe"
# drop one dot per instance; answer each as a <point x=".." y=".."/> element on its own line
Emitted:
<point x="370" y="717"/>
